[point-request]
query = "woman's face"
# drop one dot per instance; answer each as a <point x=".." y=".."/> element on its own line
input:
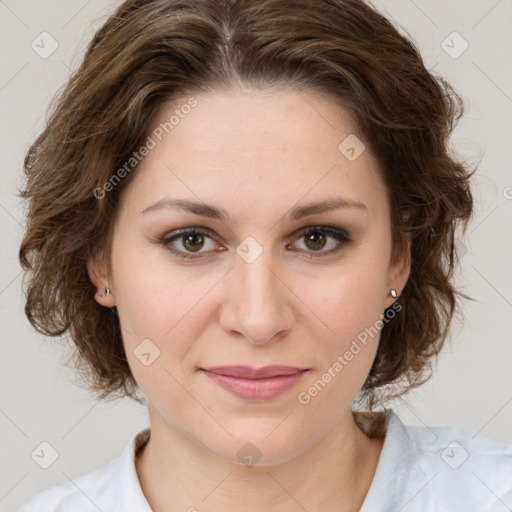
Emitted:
<point x="252" y="289"/>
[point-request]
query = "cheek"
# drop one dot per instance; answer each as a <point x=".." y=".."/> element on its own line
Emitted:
<point x="151" y="294"/>
<point x="350" y="306"/>
<point x="351" y="299"/>
<point x="162" y="310"/>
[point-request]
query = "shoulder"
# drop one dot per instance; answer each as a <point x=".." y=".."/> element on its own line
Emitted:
<point x="114" y="486"/>
<point x="457" y="447"/>
<point x="462" y="467"/>
<point x="441" y="468"/>
<point x="83" y="494"/>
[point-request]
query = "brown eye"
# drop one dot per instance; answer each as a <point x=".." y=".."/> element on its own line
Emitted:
<point x="192" y="240"/>
<point x="317" y="238"/>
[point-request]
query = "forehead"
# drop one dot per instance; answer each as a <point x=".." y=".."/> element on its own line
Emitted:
<point x="255" y="119"/>
<point x="256" y="145"/>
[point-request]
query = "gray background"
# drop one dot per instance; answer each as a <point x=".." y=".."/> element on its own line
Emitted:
<point x="472" y="384"/>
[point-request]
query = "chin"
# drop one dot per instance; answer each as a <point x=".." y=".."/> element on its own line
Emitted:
<point x="251" y="448"/>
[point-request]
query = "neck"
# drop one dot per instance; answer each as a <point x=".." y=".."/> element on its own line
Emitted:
<point x="177" y="473"/>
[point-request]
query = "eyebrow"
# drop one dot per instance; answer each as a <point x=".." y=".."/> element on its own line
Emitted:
<point x="213" y="212"/>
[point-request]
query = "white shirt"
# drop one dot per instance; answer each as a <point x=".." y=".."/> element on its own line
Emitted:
<point x="437" y="469"/>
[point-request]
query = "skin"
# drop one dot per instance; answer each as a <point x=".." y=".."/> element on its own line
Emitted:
<point x="258" y="154"/>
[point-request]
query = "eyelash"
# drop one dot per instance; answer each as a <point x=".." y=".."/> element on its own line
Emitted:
<point x="336" y="233"/>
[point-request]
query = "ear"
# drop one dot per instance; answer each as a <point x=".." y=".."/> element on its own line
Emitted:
<point x="399" y="270"/>
<point x="97" y="270"/>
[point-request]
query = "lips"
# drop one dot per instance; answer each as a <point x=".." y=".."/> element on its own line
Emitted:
<point x="246" y="372"/>
<point x="255" y="383"/>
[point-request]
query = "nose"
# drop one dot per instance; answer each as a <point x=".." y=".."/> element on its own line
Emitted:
<point x="257" y="301"/>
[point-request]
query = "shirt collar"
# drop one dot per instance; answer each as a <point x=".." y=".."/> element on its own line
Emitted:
<point x="398" y="452"/>
<point x="127" y="492"/>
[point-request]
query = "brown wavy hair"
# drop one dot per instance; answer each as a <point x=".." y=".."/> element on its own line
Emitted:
<point x="147" y="53"/>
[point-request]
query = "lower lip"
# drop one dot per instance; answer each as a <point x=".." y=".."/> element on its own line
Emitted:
<point x="256" y="389"/>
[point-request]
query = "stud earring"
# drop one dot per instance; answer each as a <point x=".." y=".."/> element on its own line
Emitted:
<point x="107" y="292"/>
<point x="393" y="293"/>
